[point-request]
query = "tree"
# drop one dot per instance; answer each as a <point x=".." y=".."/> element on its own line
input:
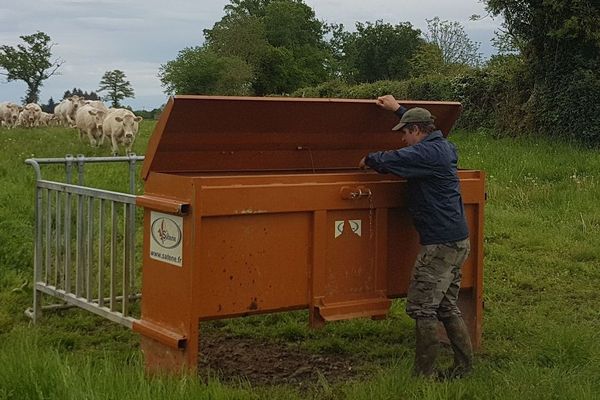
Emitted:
<point x="280" y="39"/>
<point x="453" y="41"/>
<point x="49" y="107"/>
<point x="198" y="70"/>
<point x="428" y="60"/>
<point x="78" y="92"/>
<point x="292" y="24"/>
<point x="241" y="36"/>
<point x="117" y="87"/>
<point x="30" y="63"/>
<point x="253" y="8"/>
<point x="379" y="51"/>
<point x="91" y="96"/>
<point x="559" y="40"/>
<point x="563" y="33"/>
<point x="337" y="66"/>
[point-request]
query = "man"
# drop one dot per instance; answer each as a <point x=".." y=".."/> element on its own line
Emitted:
<point x="429" y="163"/>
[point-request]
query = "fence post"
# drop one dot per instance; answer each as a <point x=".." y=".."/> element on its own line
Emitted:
<point x="80" y="254"/>
<point x="37" y="255"/>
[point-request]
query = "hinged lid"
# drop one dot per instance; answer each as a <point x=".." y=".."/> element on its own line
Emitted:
<point x="201" y="134"/>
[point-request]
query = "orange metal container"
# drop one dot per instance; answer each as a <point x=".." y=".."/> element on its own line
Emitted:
<point x="256" y="205"/>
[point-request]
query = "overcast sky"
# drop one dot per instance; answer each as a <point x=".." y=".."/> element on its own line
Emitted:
<point x="137" y="36"/>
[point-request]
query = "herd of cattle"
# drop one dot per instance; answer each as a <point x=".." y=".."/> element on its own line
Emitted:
<point x="92" y="118"/>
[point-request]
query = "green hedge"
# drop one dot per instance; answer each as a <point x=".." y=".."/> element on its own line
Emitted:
<point x="436" y="87"/>
<point x="426" y="88"/>
<point x="492" y="97"/>
<point x="569" y="107"/>
<point x="501" y="97"/>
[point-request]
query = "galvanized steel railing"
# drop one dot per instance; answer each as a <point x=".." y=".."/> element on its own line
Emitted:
<point x="84" y="247"/>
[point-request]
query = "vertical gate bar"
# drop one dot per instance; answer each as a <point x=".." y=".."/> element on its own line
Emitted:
<point x="126" y="260"/>
<point x="101" y="235"/>
<point x="37" y="267"/>
<point x="90" y="251"/>
<point x="68" y="168"/>
<point x="132" y="180"/>
<point x="79" y="277"/>
<point x="113" y="255"/>
<point x="132" y="269"/>
<point x="48" y="235"/>
<point x="67" y="226"/>
<point x="79" y="247"/>
<point x="80" y="227"/>
<point x="57" y="242"/>
<point x="80" y="169"/>
<point x="132" y="173"/>
<point x="69" y="179"/>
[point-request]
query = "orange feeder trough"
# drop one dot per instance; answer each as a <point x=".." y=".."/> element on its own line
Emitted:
<point x="256" y="205"/>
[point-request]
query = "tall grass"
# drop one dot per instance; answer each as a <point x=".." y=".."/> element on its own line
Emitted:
<point x="541" y="321"/>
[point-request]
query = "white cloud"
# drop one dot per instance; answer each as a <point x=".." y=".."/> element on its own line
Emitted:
<point x="118" y="23"/>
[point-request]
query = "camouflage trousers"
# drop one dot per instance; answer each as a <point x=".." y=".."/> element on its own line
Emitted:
<point x="435" y="280"/>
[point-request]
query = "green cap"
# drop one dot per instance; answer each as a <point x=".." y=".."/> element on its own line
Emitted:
<point x="414" y="115"/>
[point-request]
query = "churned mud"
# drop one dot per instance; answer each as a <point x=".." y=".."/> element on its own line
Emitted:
<point x="260" y="362"/>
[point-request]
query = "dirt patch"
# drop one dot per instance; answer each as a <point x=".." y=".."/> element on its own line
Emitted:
<point x="261" y="362"/>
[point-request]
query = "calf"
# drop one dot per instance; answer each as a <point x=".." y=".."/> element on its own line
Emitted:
<point x="47" y="119"/>
<point x="89" y="121"/>
<point x="9" y="114"/>
<point x="97" y="104"/>
<point x="121" y="126"/>
<point x="65" y="110"/>
<point x="30" y="116"/>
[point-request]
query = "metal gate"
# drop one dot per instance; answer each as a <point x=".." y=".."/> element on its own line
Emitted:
<point x="85" y="241"/>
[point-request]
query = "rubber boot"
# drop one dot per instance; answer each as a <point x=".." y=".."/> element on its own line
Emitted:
<point x="460" y="340"/>
<point x="427" y="344"/>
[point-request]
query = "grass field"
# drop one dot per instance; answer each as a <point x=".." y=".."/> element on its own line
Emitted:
<point x="542" y="300"/>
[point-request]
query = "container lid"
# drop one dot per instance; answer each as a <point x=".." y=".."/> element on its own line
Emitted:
<point x="206" y="134"/>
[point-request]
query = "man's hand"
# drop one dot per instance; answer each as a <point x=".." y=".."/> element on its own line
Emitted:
<point x="388" y="102"/>
<point x="362" y="164"/>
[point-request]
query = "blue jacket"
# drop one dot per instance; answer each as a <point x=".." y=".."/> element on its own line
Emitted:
<point x="434" y="198"/>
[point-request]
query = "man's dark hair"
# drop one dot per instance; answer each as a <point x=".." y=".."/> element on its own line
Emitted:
<point x="426" y="127"/>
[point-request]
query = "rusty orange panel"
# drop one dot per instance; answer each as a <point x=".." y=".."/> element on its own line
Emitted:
<point x="202" y="134"/>
<point x="252" y="263"/>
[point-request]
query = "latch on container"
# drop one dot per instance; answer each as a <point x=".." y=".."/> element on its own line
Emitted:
<point x="352" y="193"/>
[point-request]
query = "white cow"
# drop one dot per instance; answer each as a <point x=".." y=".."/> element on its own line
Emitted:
<point x="121" y="126"/>
<point x="30" y="116"/>
<point x="66" y="109"/>
<point x="46" y="119"/>
<point x="89" y="121"/>
<point x="97" y="104"/>
<point x="9" y="114"/>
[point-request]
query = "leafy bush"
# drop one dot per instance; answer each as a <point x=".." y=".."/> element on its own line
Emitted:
<point x="435" y="87"/>
<point x="330" y="89"/>
<point x="380" y="88"/>
<point x="559" y="43"/>
<point x="493" y="97"/>
<point x="501" y="97"/>
<point x="422" y="88"/>
<point x="569" y="107"/>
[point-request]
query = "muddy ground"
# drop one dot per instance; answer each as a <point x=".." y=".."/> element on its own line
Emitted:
<point x="262" y="362"/>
